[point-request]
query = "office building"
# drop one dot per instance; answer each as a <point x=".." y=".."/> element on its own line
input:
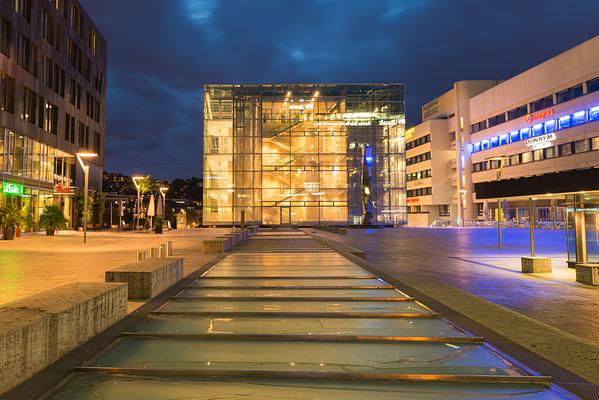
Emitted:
<point x="304" y="154"/>
<point x="529" y="142"/>
<point x="438" y="174"/>
<point x="52" y="103"/>
<point x="536" y="138"/>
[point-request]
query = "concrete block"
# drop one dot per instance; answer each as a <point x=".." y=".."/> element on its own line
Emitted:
<point x="587" y="274"/>
<point x="536" y="264"/>
<point x="217" y="245"/>
<point x="148" y="278"/>
<point x="234" y="238"/>
<point x="37" y="330"/>
<point x="169" y="248"/>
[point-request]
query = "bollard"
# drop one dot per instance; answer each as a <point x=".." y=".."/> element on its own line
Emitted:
<point x="162" y="250"/>
<point x="169" y="248"/>
<point x="154" y="252"/>
<point x="141" y="255"/>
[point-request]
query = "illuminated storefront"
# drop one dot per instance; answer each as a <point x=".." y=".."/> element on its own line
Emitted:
<point x="34" y="175"/>
<point x="304" y="154"/>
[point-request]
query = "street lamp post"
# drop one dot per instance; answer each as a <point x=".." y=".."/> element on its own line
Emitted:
<point x="85" y="168"/>
<point x="137" y="205"/>
<point x="163" y="191"/>
<point x="501" y="160"/>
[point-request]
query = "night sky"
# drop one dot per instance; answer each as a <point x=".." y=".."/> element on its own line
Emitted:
<point x="161" y="52"/>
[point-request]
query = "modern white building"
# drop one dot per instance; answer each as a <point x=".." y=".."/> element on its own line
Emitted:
<point x="438" y="177"/>
<point x="532" y="140"/>
<point x="536" y="137"/>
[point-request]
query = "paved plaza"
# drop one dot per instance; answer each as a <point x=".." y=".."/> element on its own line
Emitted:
<point x="31" y="264"/>
<point x="464" y="269"/>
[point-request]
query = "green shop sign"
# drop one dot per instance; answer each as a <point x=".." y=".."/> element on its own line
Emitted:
<point x="12" y="188"/>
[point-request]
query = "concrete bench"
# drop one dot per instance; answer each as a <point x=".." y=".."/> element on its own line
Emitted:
<point x="587" y="274"/>
<point x="148" y="278"/>
<point x="535" y="265"/>
<point x="37" y="330"/>
<point x="217" y="245"/>
<point x="253" y="229"/>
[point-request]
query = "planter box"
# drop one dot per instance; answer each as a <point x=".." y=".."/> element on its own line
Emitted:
<point x="536" y="265"/>
<point x="587" y="274"/>
<point x="149" y="277"/>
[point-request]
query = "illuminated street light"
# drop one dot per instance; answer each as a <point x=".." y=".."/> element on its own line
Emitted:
<point x="137" y="205"/>
<point x="85" y="168"/>
<point x="163" y="191"/>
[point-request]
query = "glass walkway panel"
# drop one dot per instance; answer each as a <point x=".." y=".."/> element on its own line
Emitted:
<point x="285" y="317"/>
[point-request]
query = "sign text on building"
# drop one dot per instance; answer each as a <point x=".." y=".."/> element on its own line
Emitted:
<point x="539" y="116"/>
<point x="541" y="142"/>
<point x="12" y="188"/>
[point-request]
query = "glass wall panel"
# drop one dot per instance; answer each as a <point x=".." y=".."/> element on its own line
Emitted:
<point x="332" y="153"/>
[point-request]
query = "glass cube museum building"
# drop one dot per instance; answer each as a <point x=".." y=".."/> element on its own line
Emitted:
<point x="304" y="154"/>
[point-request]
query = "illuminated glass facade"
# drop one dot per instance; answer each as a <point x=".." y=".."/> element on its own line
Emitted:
<point x="304" y="154"/>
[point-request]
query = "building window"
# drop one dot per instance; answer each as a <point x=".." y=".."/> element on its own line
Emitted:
<point x="7" y="94"/>
<point x="51" y="118"/>
<point x="593" y="85"/>
<point x="81" y="140"/>
<point x="515" y="159"/>
<point x="97" y="142"/>
<point x="72" y="52"/>
<point x="517" y="112"/>
<point x="569" y="94"/>
<point x="537" y="130"/>
<point x="28" y="110"/>
<point x="595" y="143"/>
<point x="564" y="122"/>
<point x="549" y="152"/>
<point x="581" y="146"/>
<point x="565" y="149"/>
<point x="418" y="142"/>
<point x="496" y="120"/>
<point x="479" y="126"/>
<point x="537" y="155"/>
<point x="594" y="114"/>
<point x="525" y="157"/>
<point x="5" y="36"/>
<point x="579" y="118"/>
<point x="541" y="104"/>
<point x="23" y="8"/>
<point x="73" y="92"/>
<point x="444" y="210"/>
<point x="24" y="52"/>
<point x="93" y="40"/>
<point x="550" y="126"/>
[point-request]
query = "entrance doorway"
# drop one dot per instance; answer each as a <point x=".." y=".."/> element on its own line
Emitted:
<point x="285" y="215"/>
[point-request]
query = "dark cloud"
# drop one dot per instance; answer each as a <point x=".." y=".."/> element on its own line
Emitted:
<point x="161" y="52"/>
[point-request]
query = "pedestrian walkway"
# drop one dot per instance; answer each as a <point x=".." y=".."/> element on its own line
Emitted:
<point x="284" y="317"/>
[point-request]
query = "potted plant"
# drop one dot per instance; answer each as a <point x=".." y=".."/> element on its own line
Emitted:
<point x="10" y="219"/>
<point x="158" y="224"/>
<point x="52" y="218"/>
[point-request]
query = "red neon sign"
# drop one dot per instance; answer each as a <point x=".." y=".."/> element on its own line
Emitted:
<point x="538" y="116"/>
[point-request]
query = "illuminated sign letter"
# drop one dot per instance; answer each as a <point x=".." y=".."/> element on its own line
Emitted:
<point x="12" y="188"/>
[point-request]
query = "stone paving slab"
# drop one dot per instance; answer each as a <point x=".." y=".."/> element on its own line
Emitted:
<point x="32" y="264"/>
